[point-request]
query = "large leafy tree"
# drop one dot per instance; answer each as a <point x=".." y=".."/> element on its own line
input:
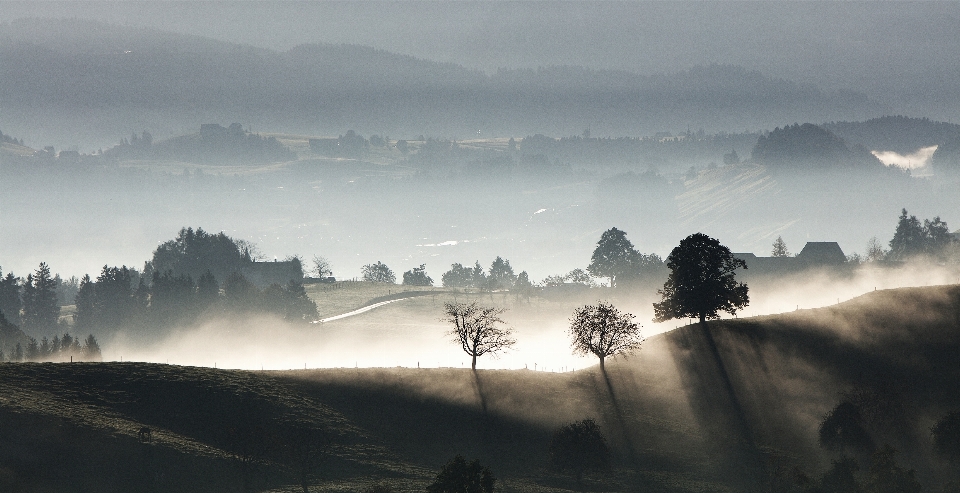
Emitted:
<point x="378" y="272"/>
<point x="417" y="277"/>
<point x="477" y="329"/>
<point x="702" y="281"/>
<point x="603" y="331"/>
<point x="194" y="252"/>
<point x="613" y="257"/>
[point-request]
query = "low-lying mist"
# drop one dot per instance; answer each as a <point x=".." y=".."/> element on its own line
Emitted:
<point x="409" y="332"/>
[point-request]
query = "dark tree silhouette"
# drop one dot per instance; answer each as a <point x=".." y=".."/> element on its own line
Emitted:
<point x="603" y="331"/>
<point x="579" y="448"/>
<point x="476" y="329"/>
<point x="702" y="281"/>
<point x="10" y="303"/>
<point x="946" y="436"/>
<point x="909" y="238"/>
<point x="458" y="476"/>
<point x="912" y="238"/>
<point x="194" y="252"/>
<point x="41" y="310"/>
<point x="417" y="277"/>
<point x="378" y="272"/>
<point x="842" y="429"/>
<point x="613" y="257"/>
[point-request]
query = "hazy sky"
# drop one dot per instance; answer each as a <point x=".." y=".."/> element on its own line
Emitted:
<point x="873" y="46"/>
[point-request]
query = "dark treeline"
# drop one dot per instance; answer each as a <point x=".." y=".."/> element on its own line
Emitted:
<point x="214" y="144"/>
<point x="179" y="286"/>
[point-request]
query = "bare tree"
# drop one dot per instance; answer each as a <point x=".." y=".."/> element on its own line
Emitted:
<point x="321" y="266"/>
<point x="603" y="331"/>
<point x="477" y="329"/>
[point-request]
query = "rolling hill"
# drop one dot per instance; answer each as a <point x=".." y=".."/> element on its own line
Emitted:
<point x="731" y="408"/>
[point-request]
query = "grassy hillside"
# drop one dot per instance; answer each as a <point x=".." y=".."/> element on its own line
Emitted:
<point x="732" y="408"/>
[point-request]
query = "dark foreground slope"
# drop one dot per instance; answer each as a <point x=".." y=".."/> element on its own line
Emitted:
<point x="732" y="407"/>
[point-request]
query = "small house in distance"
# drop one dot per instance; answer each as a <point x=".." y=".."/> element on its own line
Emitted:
<point x="815" y="254"/>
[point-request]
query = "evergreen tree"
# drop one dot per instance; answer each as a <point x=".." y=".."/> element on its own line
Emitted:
<point x="33" y="350"/>
<point x="10" y="303"/>
<point x="85" y="316"/>
<point x="91" y="349"/>
<point x="909" y="238"/>
<point x="41" y="311"/>
<point x="17" y="356"/>
<point x="501" y="275"/>
<point x="780" y="248"/>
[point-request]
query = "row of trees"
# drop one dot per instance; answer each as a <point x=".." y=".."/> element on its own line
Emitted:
<point x="112" y="301"/>
<point x="701" y="284"/>
<point x="599" y="329"/>
<point x="57" y="349"/>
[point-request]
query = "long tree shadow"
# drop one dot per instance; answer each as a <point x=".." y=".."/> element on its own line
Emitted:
<point x="621" y="422"/>
<point x="481" y="395"/>
<point x="715" y="404"/>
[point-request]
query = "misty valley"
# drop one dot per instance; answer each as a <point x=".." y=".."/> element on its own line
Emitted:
<point x="229" y="267"/>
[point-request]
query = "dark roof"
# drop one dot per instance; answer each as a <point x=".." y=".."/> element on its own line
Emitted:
<point x="822" y="252"/>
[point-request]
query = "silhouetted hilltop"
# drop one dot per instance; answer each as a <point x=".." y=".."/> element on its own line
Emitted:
<point x="809" y="146"/>
<point x="900" y="134"/>
<point x="77" y="66"/>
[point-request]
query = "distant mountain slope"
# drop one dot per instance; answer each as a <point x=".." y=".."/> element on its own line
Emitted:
<point x="74" y="67"/>
<point x="733" y="407"/>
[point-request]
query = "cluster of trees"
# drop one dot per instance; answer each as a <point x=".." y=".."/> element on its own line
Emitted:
<point x="56" y="349"/>
<point x="913" y="239"/>
<point x="500" y="276"/>
<point x="849" y="430"/>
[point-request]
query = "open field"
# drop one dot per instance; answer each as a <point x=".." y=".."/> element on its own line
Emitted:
<point x="696" y="410"/>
